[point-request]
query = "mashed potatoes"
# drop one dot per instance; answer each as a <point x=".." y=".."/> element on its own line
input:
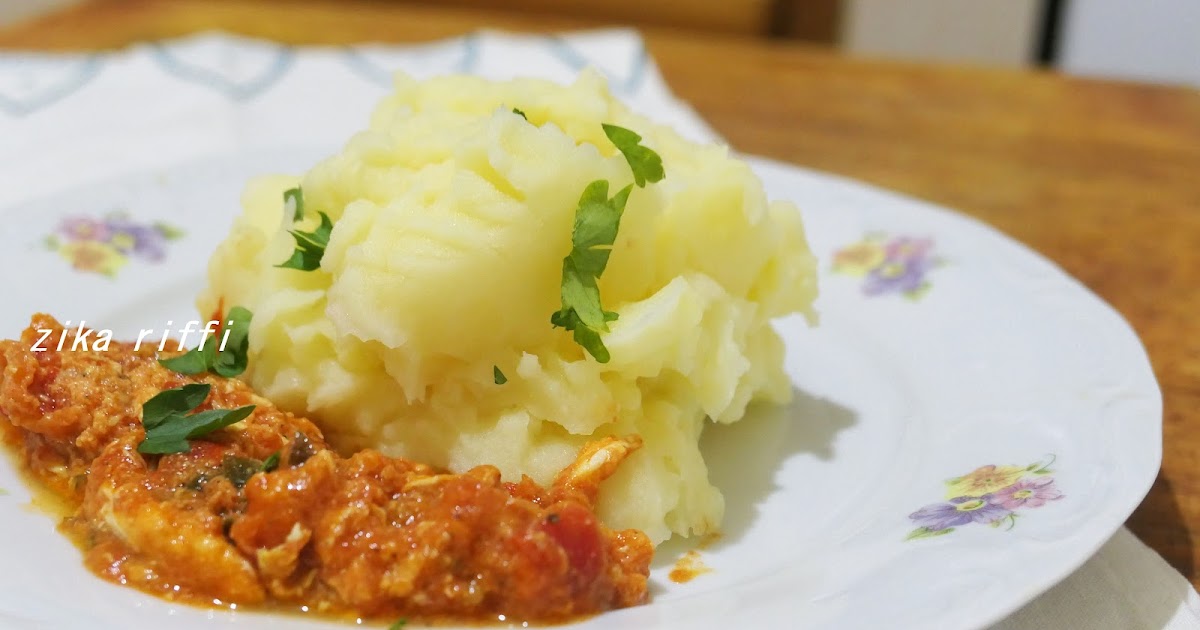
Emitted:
<point x="452" y="215"/>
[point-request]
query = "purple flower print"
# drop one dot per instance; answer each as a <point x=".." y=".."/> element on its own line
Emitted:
<point x="898" y="264"/>
<point x="83" y="229"/>
<point x="992" y="495"/>
<point x="142" y="240"/>
<point x="1027" y="493"/>
<point x="959" y="511"/>
<point x="105" y="245"/>
<point x="908" y="248"/>
<point x="902" y="276"/>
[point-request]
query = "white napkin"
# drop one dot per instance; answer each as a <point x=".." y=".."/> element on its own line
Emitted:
<point x="68" y="120"/>
<point x="1125" y="586"/>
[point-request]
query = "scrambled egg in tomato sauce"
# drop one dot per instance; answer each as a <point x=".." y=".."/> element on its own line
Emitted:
<point x="264" y="511"/>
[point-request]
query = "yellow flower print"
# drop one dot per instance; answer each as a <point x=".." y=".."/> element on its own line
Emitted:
<point x="105" y="245"/>
<point x="989" y="495"/>
<point x="983" y="480"/>
<point x="122" y="241"/>
<point x="860" y="258"/>
<point x="93" y="256"/>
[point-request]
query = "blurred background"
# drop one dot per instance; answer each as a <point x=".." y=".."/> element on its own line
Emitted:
<point x="1151" y="40"/>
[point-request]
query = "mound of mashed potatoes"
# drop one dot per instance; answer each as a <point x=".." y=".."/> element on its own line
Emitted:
<point x="451" y="217"/>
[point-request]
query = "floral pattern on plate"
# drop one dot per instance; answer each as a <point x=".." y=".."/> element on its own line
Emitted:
<point x="106" y="244"/>
<point x="896" y="264"/>
<point x="989" y="495"/>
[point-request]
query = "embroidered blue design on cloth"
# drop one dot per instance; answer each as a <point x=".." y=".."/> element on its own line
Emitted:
<point x="627" y="82"/>
<point x="378" y="68"/>
<point x="237" y="69"/>
<point x="29" y="84"/>
<point x="379" y="65"/>
<point x="241" y="69"/>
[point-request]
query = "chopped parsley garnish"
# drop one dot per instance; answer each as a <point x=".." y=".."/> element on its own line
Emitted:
<point x="520" y="113"/>
<point x="169" y="426"/>
<point x="271" y="462"/>
<point x="239" y="470"/>
<point x="498" y="376"/>
<point x="209" y="357"/>
<point x="233" y="359"/>
<point x="399" y="625"/>
<point x="310" y="246"/>
<point x="196" y="484"/>
<point x="194" y="361"/>
<point x="301" y="449"/>
<point x="294" y="198"/>
<point x="646" y="165"/>
<point x="173" y="401"/>
<point x="597" y="220"/>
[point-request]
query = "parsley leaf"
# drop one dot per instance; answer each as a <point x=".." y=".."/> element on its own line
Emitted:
<point x="646" y="165"/>
<point x="310" y="246"/>
<point x="239" y="470"/>
<point x="597" y="220"/>
<point x="399" y="625"/>
<point x="229" y="362"/>
<point x="233" y="359"/>
<point x="520" y="113"/>
<point x="271" y="462"/>
<point x="294" y="198"/>
<point x="168" y="428"/>
<point x="498" y="376"/>
<point x="194" y="361"/>
<point x="173" y="401"/>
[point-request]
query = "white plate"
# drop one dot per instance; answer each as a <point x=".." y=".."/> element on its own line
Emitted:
<point x="997" y="359"/>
